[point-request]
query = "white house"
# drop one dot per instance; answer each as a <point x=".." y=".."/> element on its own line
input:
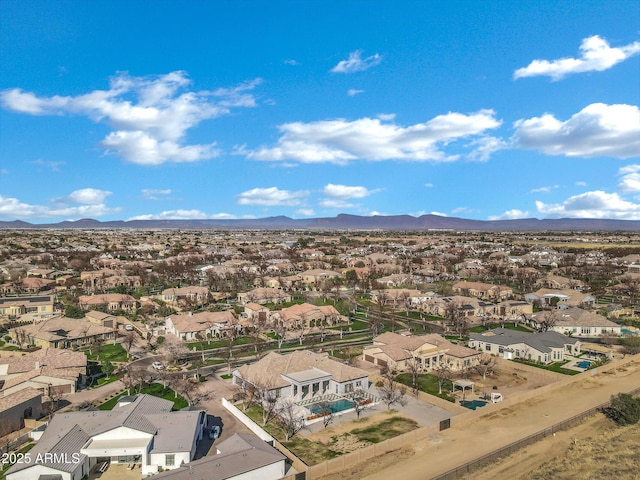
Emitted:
<point x="240" y="457"/>
<point x="302" y="376"/>
<point x="141" y="430"/>
<point x="546" y="347"/>
<point x="576" y="322"/>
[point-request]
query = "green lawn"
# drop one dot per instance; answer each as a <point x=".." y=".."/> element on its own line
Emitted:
<point x="245" y="340"/>
<point x="155" y="389"/>
<point x="354" y="326"/>
<point x="206" y="363"/>
<point x="427" y="383"/>
<point x="554" y="367"/>
<point x="112" y="353"/>
<point x="4" y="466"/>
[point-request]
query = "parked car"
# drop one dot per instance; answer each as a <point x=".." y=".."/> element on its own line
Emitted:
<point x="128" y="327"/>
<point x="157" y="365"/>
<point x="214" y="432"/>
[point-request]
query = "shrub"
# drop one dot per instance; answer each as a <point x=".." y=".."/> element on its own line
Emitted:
<point x="624" y="409"/>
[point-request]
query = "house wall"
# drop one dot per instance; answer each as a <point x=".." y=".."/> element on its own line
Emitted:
<point x="269" y="472"/>
<point x="348" y="387"/>
<point x="577" y="331"/>
<point x="158" y="460"/>
<point x="36" y="470"/>
<point x="14" y="416"/>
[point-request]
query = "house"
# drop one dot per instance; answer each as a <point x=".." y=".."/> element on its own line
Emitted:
<point x="47" y="370"/>
<point x="485" y="291"/>
<point x="561" y="299"/>
<point x="141" y="430"/>
<point x="60" y="332"/>
<point x="316" y="277"/>
<point x="308" y="316"/>
<point x="546" y="347"/>
<point x="186" y="296"/>
<point x="240" y="457"/>
<point x="203" y="325"/>
<point x="396" y="351"/>
<point x="40" y="306"/>
<point x="301" y="376"/>
<point x="575" y="322"/>
<point x="17" y="406"/>
<point x="264" y="295"/>
<point x="109" y="301"/>
<point x="101" y="318"/>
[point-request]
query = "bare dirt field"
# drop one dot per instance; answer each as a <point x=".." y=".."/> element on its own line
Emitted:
<point x="595" y="449"/>
<point x="499" y="425"/>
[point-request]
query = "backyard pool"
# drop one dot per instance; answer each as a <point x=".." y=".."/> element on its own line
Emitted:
<point x="583" y="364"/>
<point x="473" y="404"/>
<point x="334" y="406"/>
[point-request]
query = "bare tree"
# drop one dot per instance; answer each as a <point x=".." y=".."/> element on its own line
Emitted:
<point x="375" y="324"/>
<point x="454" y="313"/>
<point x="175" y="351"/>
<point x="391" y="391"/>
<point x="442" y="373"/>
<point x="413" y="366"/>
<point x="21" y="337"/>
<point x="548" y="319"/>
<point x="130" y="339"/>
<point x="289" y="420"/>
<point x="360" y="402"/>
<point x="280" y="329"/>
<point x="486" y="365"/>
<point x="327" y="413"/>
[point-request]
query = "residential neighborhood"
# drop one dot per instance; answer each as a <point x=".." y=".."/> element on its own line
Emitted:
<point x="167" y="353"/>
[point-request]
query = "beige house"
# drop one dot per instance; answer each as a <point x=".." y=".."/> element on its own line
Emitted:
<point x="576" y="322"/>
<point x="264" y="295"/>
<point x="110" y="301"/>
<point x="202" y="325"/>
<point x="396" y="351"/>
<point x="41" y="306"/>
<point x="185" y="296"/>
<point x="484" y="291"/>
<point x="308" y="315"/>
<point x="317" y="276"/>
<point x="16" y="407"/>
<point x="60" y="332"/>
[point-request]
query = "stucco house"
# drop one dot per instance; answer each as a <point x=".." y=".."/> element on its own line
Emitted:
<point x="185" y="296"/>
<point x="307" y="315"/>
<point x="60" y="332"/>
<point x="546" y="347"/>
<point x="395" y="351"/>
<point x="561" y="299"/>
<point x="141" y="430"/>
<point x="190" y="326"/>
<point x="240" y="457"/>
<point x="576" y="322"/>
<point x="302" y="376"/>
<point x="485" y="291"/>
<point x="40" y="306"/>
<point x="110" y="301"/>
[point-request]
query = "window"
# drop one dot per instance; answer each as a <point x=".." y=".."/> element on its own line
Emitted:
<point x="586" y="330"/>
<point x="358" y="384"/>
<point x="169" y="460"/>
<point x="348" y="388"/>
<point x="488" y="348"/>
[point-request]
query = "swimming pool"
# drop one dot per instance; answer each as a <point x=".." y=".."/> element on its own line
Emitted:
<point x="583" y="364"/>
<point x="473" y="404"/>
<point x="334" y="406"/>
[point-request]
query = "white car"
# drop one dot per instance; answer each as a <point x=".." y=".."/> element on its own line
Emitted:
<point x="128" y="327"/>
<point x="157" y="365"/>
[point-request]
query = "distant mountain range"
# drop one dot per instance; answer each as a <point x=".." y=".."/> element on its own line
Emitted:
<point x="348" y="222"/>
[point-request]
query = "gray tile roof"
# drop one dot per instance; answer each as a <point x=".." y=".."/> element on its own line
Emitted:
<point x="240" y="454"/>
<point x="543" y="342"/>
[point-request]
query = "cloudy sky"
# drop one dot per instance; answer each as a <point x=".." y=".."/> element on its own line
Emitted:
<point x="219" y="109"/>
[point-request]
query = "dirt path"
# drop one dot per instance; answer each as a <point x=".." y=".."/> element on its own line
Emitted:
<point x="496" y="429"/>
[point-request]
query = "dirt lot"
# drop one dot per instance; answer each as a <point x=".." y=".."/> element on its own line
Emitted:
<point x="498" y="426"/>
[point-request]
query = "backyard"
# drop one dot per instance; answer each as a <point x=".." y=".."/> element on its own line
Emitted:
<point x="154" y="389"/>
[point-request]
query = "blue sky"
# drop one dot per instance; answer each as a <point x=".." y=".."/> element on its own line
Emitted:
<point x="238" y="109"/>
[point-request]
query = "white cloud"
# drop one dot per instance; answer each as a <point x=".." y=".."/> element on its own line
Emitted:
<point x="271" y="196"/>
<point x="581" y="184"/>
<point x="337" y="203"/>
<point x="12" y="208"/>
<point x="484" y="147"/>
<point x="440" y="214"/>
<point x="307" y="212"/>
<point x="354" y="91"/>
<point x="595" y="56"/>
<point x="595" y="204"/>
<point x="340" y="141"/>
<point x="630" y="181"/>
<point x="597" y="130"/>
<point x="149" y="129"/>
<point x="428" y="185"/>
<point x="291" y="61"/>
<point x="184" y="215"/>
<point x="155" y="194"/>
<point x="458" y="210"/>
<point x="355" y="63"/>
<point x="90" y="196"/>
<point x="543" y="189"/>
<point x="344" y="191"/>
<point x="53" y="166"/>
<point x="511" y="215"/>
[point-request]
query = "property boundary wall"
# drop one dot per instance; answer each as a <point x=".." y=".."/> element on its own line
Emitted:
<point x="490" y="458"/>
